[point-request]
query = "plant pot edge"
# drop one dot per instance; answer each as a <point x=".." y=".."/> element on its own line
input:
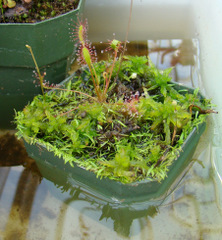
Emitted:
<point x="114" y="190"/>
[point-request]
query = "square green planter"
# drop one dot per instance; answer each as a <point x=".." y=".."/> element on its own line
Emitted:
<point x="54" y="51"/>
<point x="111" y="190"/>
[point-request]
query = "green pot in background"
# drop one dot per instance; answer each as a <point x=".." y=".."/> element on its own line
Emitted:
<point x="54" y="51"/>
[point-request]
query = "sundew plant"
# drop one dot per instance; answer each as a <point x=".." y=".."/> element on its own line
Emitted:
<point x="122" y="118"/>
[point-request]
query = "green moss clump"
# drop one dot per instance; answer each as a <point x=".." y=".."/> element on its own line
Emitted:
<point x="135" y="134"/>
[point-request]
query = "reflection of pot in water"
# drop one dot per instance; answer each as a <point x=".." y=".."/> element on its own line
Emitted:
<point x="183" y="54"/>
<point x="124" y="217"/>
<point x="12" y="154"/>
<point x="70" y="191"/>
<point x="12" y="151"/>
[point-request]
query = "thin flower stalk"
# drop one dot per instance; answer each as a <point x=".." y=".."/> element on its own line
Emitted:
<point x="41" y="77"/>
<point x="86" y="56"/>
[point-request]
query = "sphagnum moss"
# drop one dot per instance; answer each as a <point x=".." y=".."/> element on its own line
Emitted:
<point x="134" y="134"/>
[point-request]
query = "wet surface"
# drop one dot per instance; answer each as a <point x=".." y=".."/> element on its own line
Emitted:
<point x="19" y="180"/>
<point x="54" y="206"/>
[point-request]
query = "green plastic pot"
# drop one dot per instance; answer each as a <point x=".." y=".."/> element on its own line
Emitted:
<point x="54" y="51"/>
<point x="112" y="190"/>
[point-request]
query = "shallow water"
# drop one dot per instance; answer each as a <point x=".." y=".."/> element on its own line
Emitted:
<point x="33" y="207"/>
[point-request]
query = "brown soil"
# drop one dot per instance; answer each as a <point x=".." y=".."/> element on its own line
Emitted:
<point x="31" y="11"/>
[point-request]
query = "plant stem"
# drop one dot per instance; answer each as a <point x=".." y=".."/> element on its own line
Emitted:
<point x="68" y="90"/>
<point x="128" y="27"/>
<point x="96" y="85"/>
<point x="110" y="72"/>
<point x="37" y="69"/>
<point x="126" y="39"/>
<point x="68" y="111"/>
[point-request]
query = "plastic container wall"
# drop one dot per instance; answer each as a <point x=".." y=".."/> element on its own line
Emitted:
<point x="151" y="19"/>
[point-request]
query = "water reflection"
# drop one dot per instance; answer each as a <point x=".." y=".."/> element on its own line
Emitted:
<point x="67" y="189"/>
<point x="18" y="220"/>
<point x="14" y="154"/>
<point x="184" y="53"/>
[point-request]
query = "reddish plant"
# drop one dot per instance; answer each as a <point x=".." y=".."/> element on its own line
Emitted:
<point x="86" y="55"/>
